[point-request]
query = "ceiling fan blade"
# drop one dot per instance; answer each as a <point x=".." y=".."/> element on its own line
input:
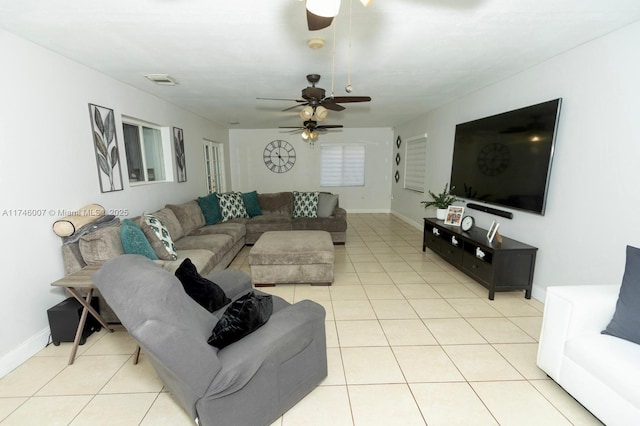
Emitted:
<point x="291" y="127"/>
<point x="315" y="22"/>
<point x="295" y="106"/>
<point x="329" y="103"/>
<point x="347" y="99"/>
<point x="330" y="126"/>
<point x="281" y="99"/>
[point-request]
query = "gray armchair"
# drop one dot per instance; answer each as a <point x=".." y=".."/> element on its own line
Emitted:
<point x="250" y="382"/>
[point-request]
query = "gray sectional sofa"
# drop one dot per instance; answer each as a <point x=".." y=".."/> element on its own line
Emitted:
<point x="211" y="247"/>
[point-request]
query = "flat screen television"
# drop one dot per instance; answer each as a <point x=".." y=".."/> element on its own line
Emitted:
<point x="505" y="159"/>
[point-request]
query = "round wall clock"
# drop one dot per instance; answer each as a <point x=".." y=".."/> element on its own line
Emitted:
<point x="494" y="159"/>
<point x="279" y="156"/>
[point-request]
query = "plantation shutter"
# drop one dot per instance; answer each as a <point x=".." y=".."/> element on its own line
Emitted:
<point x="414" y="165"/>
<point x="342" y="165"/>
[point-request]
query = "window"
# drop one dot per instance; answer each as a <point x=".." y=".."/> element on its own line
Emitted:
<point x="143" y="145"/>
<point x="342" y="165"/>
<point x="214" y="166"/>
<point x="415" y="156"/>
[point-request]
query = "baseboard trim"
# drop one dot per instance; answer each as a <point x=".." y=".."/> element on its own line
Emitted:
<point x="411" y="222"/>
<point x="23" y="352"/>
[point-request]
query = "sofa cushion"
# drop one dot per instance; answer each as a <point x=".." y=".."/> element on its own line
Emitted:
<point x="232" y="206"/>
<point x="625" y="323"/>
<point x="245" y="315"/>
<point x="134" y="241"/>
<point x="159" y="237"/>
<point x="235" y="230"/>
<point x="204" y="260"/>
<point x="277" y="203"/>
<point x="217" y="244"/>
<point x="251" y="203"/>
<point x="319" y="223"/>
<point x="101" y="245"/>
<point x="210" y="207"/>
<point x="305" y="204"/>
<point x="269" y="222"/>
<point x="189" y="215"/>
<point x="327" y="203"/>
<point x="204" y="291"/>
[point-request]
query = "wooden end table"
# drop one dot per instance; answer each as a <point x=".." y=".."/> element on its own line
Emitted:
<point x="72" y="283"/>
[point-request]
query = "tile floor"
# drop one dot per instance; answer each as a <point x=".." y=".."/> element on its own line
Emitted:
<point x="411" y="341"/>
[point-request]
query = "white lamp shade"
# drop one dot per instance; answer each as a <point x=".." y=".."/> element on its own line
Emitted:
<point x="306" y="113"/>
<point x="314" y="135"/>
<point x="324" y="8"/>
<point x="321" y="113"/>
<point x="366" y="3"/>
<point x="305" y="135"/>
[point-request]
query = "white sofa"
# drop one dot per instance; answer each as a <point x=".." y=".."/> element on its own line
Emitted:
<point x="602" y="372"/>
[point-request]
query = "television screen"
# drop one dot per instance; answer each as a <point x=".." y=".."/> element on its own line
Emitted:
<point x="505" y="159"/>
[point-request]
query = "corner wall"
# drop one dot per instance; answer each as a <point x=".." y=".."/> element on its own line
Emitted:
<point x="249" y="171"/>
<point x="47" y="163"/>
<point x="593" y="193"/>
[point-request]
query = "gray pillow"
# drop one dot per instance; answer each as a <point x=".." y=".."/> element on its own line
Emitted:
<point x="625" y="323"/>
<point x="327" y="204"/>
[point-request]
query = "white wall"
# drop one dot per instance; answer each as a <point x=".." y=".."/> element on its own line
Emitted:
<point x="249" y="171"/>
<point x="593" y="196"/>
<point x="47" y="163"/>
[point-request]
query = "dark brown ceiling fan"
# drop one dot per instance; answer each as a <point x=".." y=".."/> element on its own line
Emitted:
<point x="315" y="97"/>
<point x="312" y="125"/>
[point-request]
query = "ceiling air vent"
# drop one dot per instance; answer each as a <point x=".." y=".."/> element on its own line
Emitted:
<point x="162" y="79"/>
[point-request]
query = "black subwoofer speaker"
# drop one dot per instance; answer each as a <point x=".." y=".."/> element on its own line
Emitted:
<point x="65" y="317"/>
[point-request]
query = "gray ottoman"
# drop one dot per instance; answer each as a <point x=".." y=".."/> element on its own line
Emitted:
<point x="280" y="257"/>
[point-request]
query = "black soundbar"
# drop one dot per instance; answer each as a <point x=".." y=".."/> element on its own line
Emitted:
<point x="491" y="210"/>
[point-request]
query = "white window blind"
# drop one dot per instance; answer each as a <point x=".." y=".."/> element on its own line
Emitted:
<point x="342" y="165"/>
<point x="414" y="163"/>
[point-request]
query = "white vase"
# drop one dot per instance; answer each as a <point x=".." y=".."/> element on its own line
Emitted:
<point x="441" y="214"/>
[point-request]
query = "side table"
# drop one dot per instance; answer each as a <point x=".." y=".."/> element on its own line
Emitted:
<point x="81" y="280"/>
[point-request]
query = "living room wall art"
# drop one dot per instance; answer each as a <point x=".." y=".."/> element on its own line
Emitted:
<point x="178" y="148"/>
<point x="105" y="145"/>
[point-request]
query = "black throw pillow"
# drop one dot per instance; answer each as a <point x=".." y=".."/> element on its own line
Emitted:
<point x="245" y="315"/>
<point x="207" y="293"/>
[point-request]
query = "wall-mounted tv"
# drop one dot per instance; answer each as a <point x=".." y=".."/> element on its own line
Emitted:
<point x="505" y="159"/>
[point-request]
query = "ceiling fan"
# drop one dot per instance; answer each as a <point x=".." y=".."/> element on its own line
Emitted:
<point x="314" y="97"/>
<point x="311" y="130"/>
<point x="320" y="13"/>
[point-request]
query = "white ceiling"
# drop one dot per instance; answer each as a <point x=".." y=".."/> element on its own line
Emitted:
<point x="410" y="56"/>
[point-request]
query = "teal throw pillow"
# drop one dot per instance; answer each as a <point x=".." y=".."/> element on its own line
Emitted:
<point x="134" y="241"/>
<point x="210" y="207"/>
<point x="251" y="203"/>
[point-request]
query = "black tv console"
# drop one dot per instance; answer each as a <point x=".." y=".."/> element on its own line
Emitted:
<point x="498" y="266"/>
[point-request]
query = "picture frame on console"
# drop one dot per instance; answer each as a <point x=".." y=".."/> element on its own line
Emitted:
<point x="493" y="230"/>
<point x="454" y="215"/>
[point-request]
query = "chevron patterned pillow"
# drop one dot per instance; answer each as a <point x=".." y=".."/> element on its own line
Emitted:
<point x="305" y="204"/>
<point x="232" y="205"/>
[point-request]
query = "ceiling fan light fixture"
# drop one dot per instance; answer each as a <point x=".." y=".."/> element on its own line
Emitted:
<point x="314" y="136"/>
<point x="305" y="135"/>
<point x="306" y="113"/>
<point x="324" y="8"/>
<point x="321" y="113"/>
<point x="366" y="3"/>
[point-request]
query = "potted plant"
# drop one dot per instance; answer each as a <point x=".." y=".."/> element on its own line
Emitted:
<point x="441" y="201"/>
